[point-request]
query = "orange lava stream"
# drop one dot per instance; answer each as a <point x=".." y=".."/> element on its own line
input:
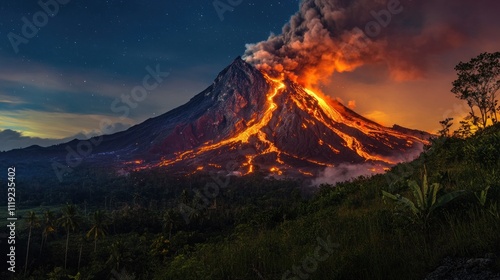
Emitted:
<point x="325" y="113"/>
<point x="306" y="173"/>
<point x="335" y="115"/>
<point x="327" y="109"/>
<point x="244" y="136"/>
<point x="351" y="142"/>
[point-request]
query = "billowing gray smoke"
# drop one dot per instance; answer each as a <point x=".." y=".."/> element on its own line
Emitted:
<point x="327" y="36"/>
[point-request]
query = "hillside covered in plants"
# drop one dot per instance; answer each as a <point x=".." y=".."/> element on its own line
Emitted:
<point x="151" y="226"/>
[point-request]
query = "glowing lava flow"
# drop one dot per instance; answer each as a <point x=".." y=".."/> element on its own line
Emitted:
<point x="351" y="142"/>
<point x="367" y="129"/>
<point x="254" y="129"/>
<point x="332" y="116"/>
<point x="337" y="116"/>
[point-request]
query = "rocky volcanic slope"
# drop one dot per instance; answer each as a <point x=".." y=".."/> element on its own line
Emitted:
<point x="250" y="120"/>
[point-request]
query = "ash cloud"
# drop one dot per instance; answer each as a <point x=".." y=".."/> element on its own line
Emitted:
<point x="327" y="36"/>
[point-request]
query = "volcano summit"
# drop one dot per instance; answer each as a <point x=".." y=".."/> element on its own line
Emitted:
<point x="255" y="121"/>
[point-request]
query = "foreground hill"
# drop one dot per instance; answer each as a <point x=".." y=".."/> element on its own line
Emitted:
<point x="250" y="227"/>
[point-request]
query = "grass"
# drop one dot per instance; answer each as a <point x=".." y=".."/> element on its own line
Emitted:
<point x="377" y="240"/>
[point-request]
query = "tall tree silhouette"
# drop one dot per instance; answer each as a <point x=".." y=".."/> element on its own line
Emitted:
<point x="99" y="226"/>
<point x="32" y="222"/>
<point x="478" y="83"/>
<point x="48" y="227"/>
<point x="69" y="221"/>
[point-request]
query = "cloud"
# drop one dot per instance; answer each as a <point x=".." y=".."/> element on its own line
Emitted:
<point x="345" y="172"/>
<point x="11" y="139"/>
<point x="54" y="79"/>
<point x="328" y="36"/>
<point x="10" y="100"/>
<point x="56" y="125"/>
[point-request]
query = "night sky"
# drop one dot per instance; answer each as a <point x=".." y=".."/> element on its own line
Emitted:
<point x="63" y="81"/>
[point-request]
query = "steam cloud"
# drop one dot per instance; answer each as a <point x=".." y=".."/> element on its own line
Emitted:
<point x="346" y="172"/>
<point x="327" y="36"/>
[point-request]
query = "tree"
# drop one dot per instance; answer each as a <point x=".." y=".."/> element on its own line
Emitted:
<point x="48" y="226"/>
<point x="477" y="83"/>
<point x="32" y="222"/>
<point x="168" y="222"/>
<point x="118" y="255"/>
<point x="81" y="241"/>
<point x="56" y="274"/>
<point x="99" y="226"/>
<point x="69" y="221"/>
<point x="445" y="130"/>
<point x="465" y="129"/>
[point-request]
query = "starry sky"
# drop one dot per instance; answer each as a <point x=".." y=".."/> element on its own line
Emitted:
<point x="59" y="83"/>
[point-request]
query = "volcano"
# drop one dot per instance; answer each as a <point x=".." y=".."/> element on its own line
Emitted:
<point x="252" y="122"/>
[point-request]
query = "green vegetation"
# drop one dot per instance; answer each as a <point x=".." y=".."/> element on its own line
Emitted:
<point x="426" y="199"/>
<point x="68" y="221"/>
<point x="32" y="221"/>
<point x="477" y="83"/>
<point x="99" y="226"/>
<point x="257" y="228"/>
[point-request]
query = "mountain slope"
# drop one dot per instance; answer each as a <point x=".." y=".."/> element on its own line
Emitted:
<point x="249" y="119"/>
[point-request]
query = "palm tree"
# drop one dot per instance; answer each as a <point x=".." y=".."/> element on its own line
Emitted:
<point x="56" y="274"/>
<point x="168" y="222"/>
<point x="118" y="255"/>
<point x="48" y="226"/>
<point x="81" y="240"/>
<point x="69" y="221"/>
<point x="99" y="226"/>
<point x="32" y="222"/>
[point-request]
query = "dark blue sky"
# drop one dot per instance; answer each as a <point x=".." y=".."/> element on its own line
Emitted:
<point x="119" y="36"/>
<point x="91" y="52"/>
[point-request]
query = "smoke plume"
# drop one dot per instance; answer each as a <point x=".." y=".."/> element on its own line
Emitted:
<point x="327" y="36"/>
